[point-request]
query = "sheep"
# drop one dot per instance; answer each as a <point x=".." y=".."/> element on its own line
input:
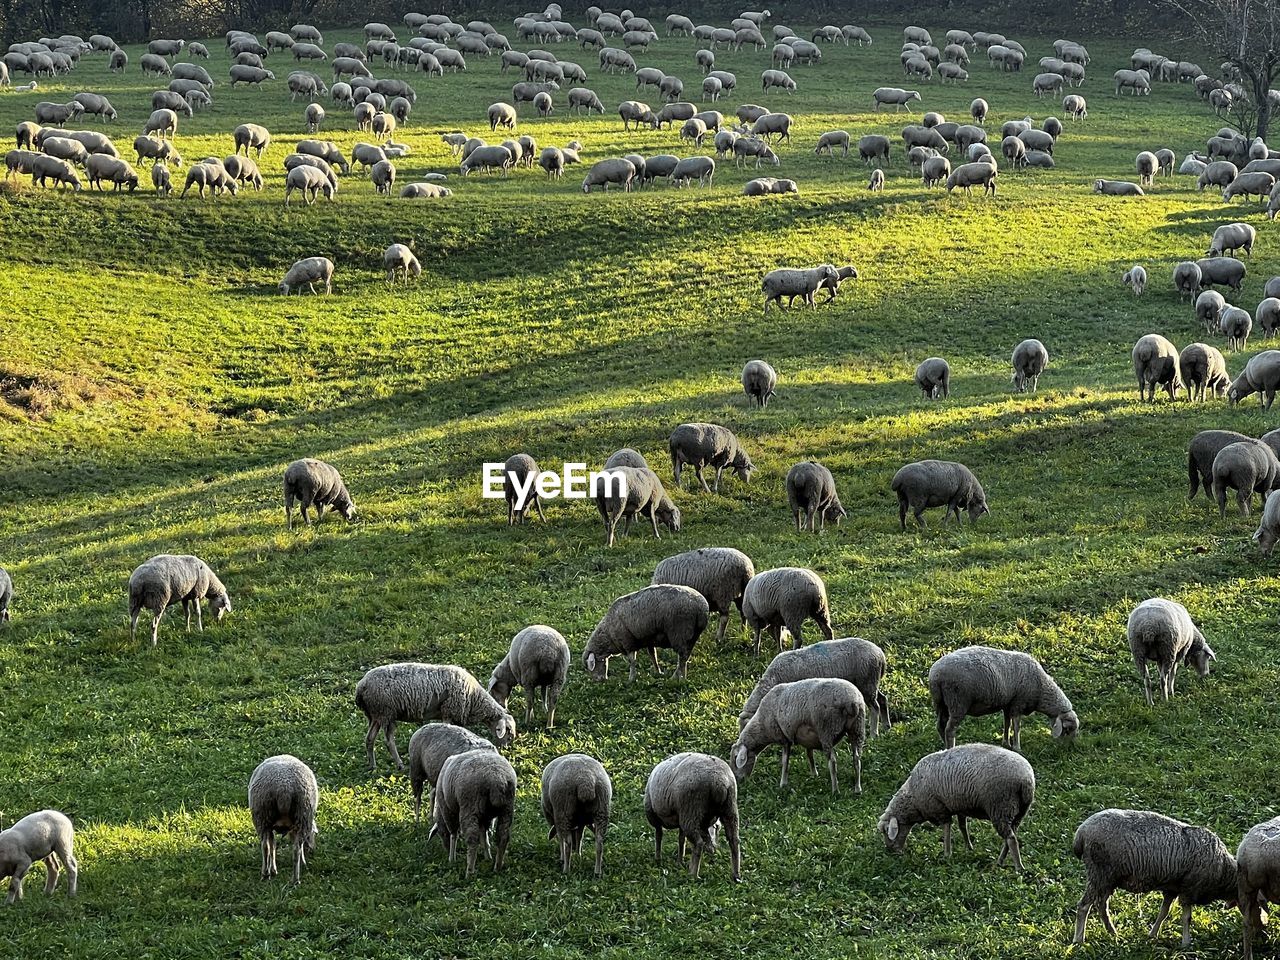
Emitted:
<point x="1209" y="307"/>
<point x="1221" y="272"/>
<point x="935" y="171"/>
<point x="1155" y="362"/>
<point x="1140" y="851"/>
<point x="1135" y="278"/>
<point x="429" y="747"/>
<point x="1187" y="279"/>
<point x="99" y="167"/>
<point x="315" y="483"/>
<point x="96" y="105"/>
<point x="1248" y="466"/>
<point x="383" y="176"/>
<point x="251" y="136"/>
<point x="895" y="96"/>
<point x="538" y="658"/>
<point x="241" y="73"/>
<point x="421" y="692"/>
<point x="160" y="179"/>
<point x="64" y="149"/>
<point x="46" y="835"/>
<point x="635" y="491"/>
<point x="1029" y="360"/>
<point x="974" y="780"/>
<point x="707" y="444"/>
<point x="977" y="681"/>
<point x="6" y="596"/>
<point x="933" y="377"/>
<point x="812" y="497"/>
<point x="1236" y="325"/>
<point x="1147" y="165"/>
<point x="662" y="615"/>
<point x="576" y="794"/>
<point x="57" y="114"/>
<point x="311" y="180"/>
<point x="937" y="483"/>
<point x="1161" y="631"/>
<point x="1135" y="80"/>
<point x="831" y="140"/>
<point x="759" y="381"/>
<point x="1117" y="188"/>
<point x="1261" y="375"/>
<point x="691" y="792"/>
<point x="476" y="792"/>
<point x="155" y="66"/>
<point x="616" y="170"/>
<point x="720" y="574"/>
<point x="310" y="270"/>
<point x="1230" y="237"/>
<point x="785" y="282"/>
<point x="814" y="713"/>
<point x="1221" y="173"/>
<point x="1258" y="877"/>
<point x="580" y="98"/>
<point x="785" y="596"/>
<point x="971" y="175"/>
<point x="1267" y="315"/>
<point x="165" y="580"/>
<point x="1249" y="184"/>
<point x="1203" y="370"/>
<point x="45" y="168"/>
<point x="283" y="796"/>
<point x="118" y="61"/>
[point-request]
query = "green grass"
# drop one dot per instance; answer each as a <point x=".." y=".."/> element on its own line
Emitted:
<point x="155" y="387"/>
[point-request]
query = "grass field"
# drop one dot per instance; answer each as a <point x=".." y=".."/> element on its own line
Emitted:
<point x="153" y="386"/>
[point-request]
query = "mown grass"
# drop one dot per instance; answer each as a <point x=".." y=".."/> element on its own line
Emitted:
<point x="157" y="387"/>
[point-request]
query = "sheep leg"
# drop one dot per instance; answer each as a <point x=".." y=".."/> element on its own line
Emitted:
<point x="1017" y="732"/>
<point x="657" y="843"/>
<point x="682" y="666"/>
<point x="902" y="512"/>
<point x="199" y="617"/>
<point x="528" y="708"/>
<point x="757" y="631"/>
<point x="799" y="522"/>
<point x="51" y="880"/>
<point x="288" y="510"/>
<point x="919" y="513"/>
<point x="777" y="636"/>
<point x="813" y="767"/>
<point x="811" y="514"/>
<point x="502" y="838"/>
<point x="1251" y="914"/>
<point x="265" y="843"/>
<point x="1164" y="912"/>
<point x="786" y="764"/>
<point x="631" y="662"/>
<point x="697" y="472"/>
<point x="1004" y="737"/>
<point x="722" y="626"/>
<point x="537" y="505"/>
<point x="964" y="831"/>
<point x="946" y="840"/>
<point x="1165" y="686"/>
<point x="857" y="766"/>
<point x="716" y="485"/>
<point x="299" y="858"/>
<point x="186" y="608"/>
<point x="831" y="769"/>
<point x="599" y="829"/>
<point x="370" y="738"/>
<point x="1186" y="922"/>
<point x="949" y="734"/>
<point x="657" y="667"/>
<point x="155" y="625"/>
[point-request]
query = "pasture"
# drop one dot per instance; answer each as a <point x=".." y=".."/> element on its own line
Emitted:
<point x="153" y="386"/>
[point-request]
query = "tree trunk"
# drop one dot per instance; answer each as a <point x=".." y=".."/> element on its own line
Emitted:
<point x="1262" y="95"/>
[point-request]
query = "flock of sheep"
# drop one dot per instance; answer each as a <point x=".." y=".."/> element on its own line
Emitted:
<point x="811" y="697"/>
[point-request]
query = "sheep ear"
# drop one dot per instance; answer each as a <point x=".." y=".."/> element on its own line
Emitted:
<point x="892" y="830"/>
<point x="591" y="661"/>
<point x="1057" y="727"/>
<point x="740" y="757"/>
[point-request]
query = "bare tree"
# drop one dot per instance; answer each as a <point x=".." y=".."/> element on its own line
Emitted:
<point x="1245" y="34"/>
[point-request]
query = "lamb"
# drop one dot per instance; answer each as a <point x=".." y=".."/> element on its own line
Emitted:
<point x="1221" y="272"/>
<point x="786" y="596"/>
<point x="399" y="259"/>
<point x="315" y="483"/>
<point x="937" y="483"/>
<point x="1155" y="361"/>
<point x="972" y="780"/>
<point x="429" y="747"/>
<point x="576" y="794"/>
<point x="283" y="796"/>
<point x="47" y="835"/>
<point x="1135" y="278"/>
<point x="6" y="596"/>
<point x="165" y="580"/>
<point x="663" y="615"/>
<point x="426" y="691"/>
<point x="708" y="444"/>
<point x="977" y="681"/>
<point x="794" y="283"/>
<point x="1162" y="632"/>
<point x="1231" y="237"/>
<point x="1205" y="370"/>
<point x="1236" y="325"/>
<point x="812" y="497"/>
<point x="1029" y="360"/>
<point x="1140" y="851"/>
<point x="476" y="792"/>
<point x="1258" y="877"/>
<point x="933" y="377"/>
<point x="758" y="381"/>
<point x="814" y="713"/>
<point x="691" y="792"/>
<point x="1117" y="188"/>
<point x="720" y="574"/>
<point x="635" y="491"/>
<point x="1249" y="466"/>
<point x="1261" y="375"/>
<point x="311" y="270"/>
<point x="538" y="658"/>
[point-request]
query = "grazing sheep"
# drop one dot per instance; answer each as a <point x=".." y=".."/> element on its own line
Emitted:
<point x="759" y="381"/>
<point x="538" y="658"/>
<point x="691" y="792"/>
<point x="616" y="170"/>
<point x="935" y="171"/>
<point x="165" y="580"/>
<point x="1249" y="184"/>
<point x="161" y="179"/>
<point x="429" y="747"/>
<point x="6" y="596"/>
<point x="419" y="692"/>
<point x="812" y="497"/>
<point x="663" y="615"/>
<point x="1135" y="278"/>
<point x="1202" y="450"/>
<point x="975" y="780"/>
<point x="977" y="681"/>
<point x="815" y="713"/>
<point x="635" y="490"/>
<point x="576" y="794"/>
<point x="315" y="483"/>
<point x="476" y="793"/>
<point x="47" y="835"/>
<point x="786" y="597"/>
<point x="1236" y="325"/>
<point x="310" y="179"/>
<point x="1155" y="362"/>
<point x="1221" y="173"/>
<point x="1029" y="360"/>
<point x="1261" y="375"/>
<point x="515" y="477"/>
<point x="399" y="259"/>
<point x="283" y="796"/>
<point x="1140" y="851"/>
<point x="1267" y="316"/>
<point x="1231" y="237"/>
<point x="1248" y="466"/>
<point x="933" y="377"/>
<point x="937" y="483"/>
<point x="1258" y="877"/>
<point x="243" y="73"/>
<point x="707" y="444"/>
<point x="873" y="146"/>
<point x="1209" y="308"/>
<point x="311" y="270"/>
<point x="969" y="175"/>
<point x="1186" y="279"/>
<point x="1161" y="631"/>
<point x="794" y="283"/>
<point x="383" y="176"/>
<point x="720" y="574"/>
<point x="831" y="140"/>
<point x="1203" y="370"/>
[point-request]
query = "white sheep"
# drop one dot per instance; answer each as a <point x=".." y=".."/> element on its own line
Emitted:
<point x="576" y="794"/>
<point x="165" y="580"/>
<point x="47" y="835"/>
<point x="283" y="796"/>
<point x="691" y="792"/>
<point x="1162" y="632"/>
<point x="538" y="658"/>
<point x="429" y="747"/>
<point x="476" y="792"/>
<point x="309" y="271"/>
